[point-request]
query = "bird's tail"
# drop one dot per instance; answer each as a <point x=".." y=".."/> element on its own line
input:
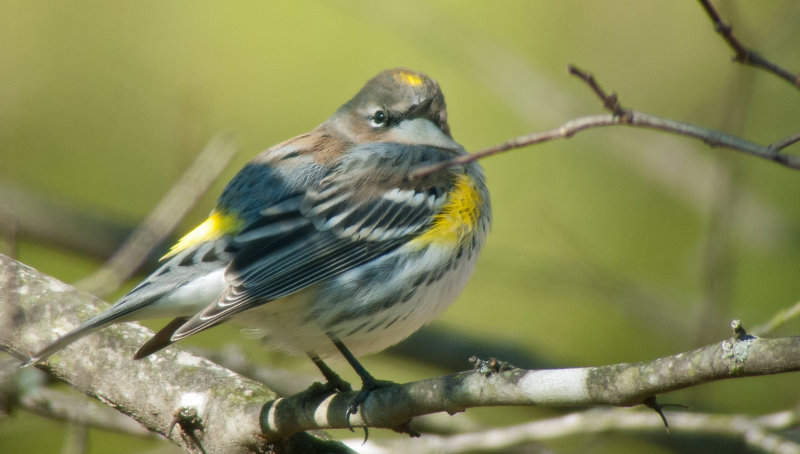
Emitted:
<point x="63" y="341"/>
<point x="115" y="314"/>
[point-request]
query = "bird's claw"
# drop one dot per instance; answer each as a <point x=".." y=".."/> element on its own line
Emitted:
<point x="367" y="388"/>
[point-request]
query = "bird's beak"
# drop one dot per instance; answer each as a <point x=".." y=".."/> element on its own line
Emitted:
<point x="420" y="131"/>
<point x="419" y="109"/>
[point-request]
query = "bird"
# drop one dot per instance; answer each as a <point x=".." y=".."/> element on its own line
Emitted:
<point x="325" y="243"/>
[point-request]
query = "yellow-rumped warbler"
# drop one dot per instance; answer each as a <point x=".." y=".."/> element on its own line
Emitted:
<point x="323" y="239"/>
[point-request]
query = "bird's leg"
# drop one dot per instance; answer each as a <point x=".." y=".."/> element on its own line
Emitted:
<point x="333" y="381"/>
<point x="368" y="382"/>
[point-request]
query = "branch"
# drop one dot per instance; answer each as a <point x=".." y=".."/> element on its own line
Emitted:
<point x="744" y="55"/>
<point x="626" y="117"/>
<point x="176" y="382"/>
<point x="34" y="308"/>
<point x="618" y="385"/>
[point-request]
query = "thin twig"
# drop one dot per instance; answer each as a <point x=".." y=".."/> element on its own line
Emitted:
<point x="743" y="54"/>
<point x="610" y="101"/>
<point x="778" y="319"/>
<point x="783" y="143"/>
<point x="205" y="169"/>
<point x="625" y="117"/>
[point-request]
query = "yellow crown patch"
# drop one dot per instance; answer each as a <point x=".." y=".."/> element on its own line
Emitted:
<point x="408" y="78"/>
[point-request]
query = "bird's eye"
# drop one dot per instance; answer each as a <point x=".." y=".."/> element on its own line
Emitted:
<point x="379" y="118"/>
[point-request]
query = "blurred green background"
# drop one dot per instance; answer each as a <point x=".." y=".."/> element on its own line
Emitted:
<point x="617" y="245"/>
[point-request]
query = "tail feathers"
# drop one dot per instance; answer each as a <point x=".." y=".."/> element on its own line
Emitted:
<point x="162" y="338"/>
<point x="63" y="341"/>
<point x="115" y="314"/>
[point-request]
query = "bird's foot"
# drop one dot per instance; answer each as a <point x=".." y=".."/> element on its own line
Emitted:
<point x="366" y="389"/>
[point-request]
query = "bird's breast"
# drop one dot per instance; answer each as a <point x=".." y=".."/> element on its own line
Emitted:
<point x="459" y="219"/>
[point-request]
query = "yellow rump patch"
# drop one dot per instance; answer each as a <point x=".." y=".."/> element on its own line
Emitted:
<point x="217" y="225"/>
<point x="408" y="78"/>
<point x="458" y="218"/>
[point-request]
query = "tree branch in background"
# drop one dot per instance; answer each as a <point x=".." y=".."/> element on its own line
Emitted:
<point x="744" y="55"/>
<point x="163" y="219"/>
<point x="778" y="319"/>
<point x="757" y="432"/>
<point x="59" y="405"/>
<point x="49" y="221"/>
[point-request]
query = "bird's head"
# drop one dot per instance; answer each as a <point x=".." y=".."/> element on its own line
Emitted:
<point x="400" y="106"/>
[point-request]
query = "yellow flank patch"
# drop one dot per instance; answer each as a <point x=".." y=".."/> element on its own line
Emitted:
<point x="458" y="219"/>
<point x="408" y="78"/>
<point x="217" y="225"/>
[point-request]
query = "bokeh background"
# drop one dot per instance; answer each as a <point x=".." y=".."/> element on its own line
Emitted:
<point x="618" y="245"/>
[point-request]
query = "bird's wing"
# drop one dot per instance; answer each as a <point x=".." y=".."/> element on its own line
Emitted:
<point x="352" y="216"/>
<point x="183" y="285"/>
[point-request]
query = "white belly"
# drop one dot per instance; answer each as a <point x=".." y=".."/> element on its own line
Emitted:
<point x="300" y="323"/>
